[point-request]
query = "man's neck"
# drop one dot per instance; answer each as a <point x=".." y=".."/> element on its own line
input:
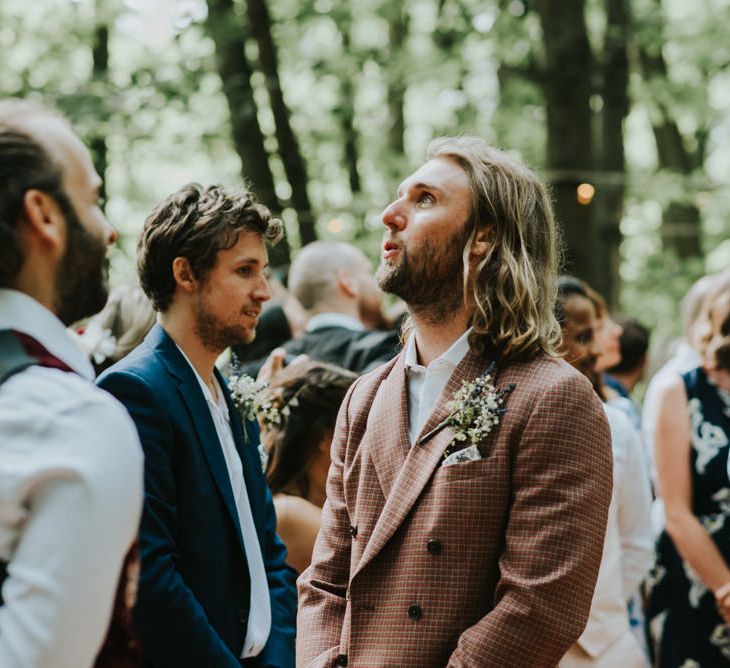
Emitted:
<point x="435" y="338"/>
<point x="182" y="332"/>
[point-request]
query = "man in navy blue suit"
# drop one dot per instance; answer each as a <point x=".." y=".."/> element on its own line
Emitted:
<point x="214" y="590"/>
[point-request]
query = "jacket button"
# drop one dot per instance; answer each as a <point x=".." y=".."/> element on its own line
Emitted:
<point x="243" y="616"/>
<point x="341" y="660"/>
<point x="353" y="531"/>
<point x="434" y="546"/>
<point x="415" y="612"/>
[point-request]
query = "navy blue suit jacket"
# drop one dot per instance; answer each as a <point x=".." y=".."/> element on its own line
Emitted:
<point x="194" y="594"/>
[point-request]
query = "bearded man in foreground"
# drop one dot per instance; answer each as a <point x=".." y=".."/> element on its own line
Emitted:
<point x="471" y="476"/>
<point x="214" y="589"/>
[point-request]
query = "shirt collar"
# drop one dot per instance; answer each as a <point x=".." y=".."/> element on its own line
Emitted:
<point x="331" y="319"/>
<point x="452" y="356"/>
<point x="207" y="394"/>
<point x="24" y="314"/>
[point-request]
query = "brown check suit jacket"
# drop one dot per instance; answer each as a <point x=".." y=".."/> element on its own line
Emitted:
<point x="484" y="563"/>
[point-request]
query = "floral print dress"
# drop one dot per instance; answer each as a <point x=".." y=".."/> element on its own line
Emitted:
<point x="684" y="626"/>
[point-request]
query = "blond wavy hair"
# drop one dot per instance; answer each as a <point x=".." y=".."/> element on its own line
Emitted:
<point x="513" y="288"/>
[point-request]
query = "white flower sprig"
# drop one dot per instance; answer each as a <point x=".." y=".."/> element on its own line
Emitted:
<point x="255" y="399"/>
<point x="247" y="394"/>
<point x="476" y="408"/>
<point x="270" y="408"/>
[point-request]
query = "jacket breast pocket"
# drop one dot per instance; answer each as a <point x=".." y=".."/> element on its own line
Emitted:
<point x="486" y="469"/>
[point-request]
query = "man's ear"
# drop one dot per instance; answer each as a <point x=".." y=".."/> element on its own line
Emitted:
<point x="482" y="243"/>
<point x="347" y="283"/>
<point x="184" y="275"/>
<point x="46" y="223"/>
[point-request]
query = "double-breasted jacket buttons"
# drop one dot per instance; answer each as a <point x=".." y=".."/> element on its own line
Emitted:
<point x="434" y="546"/>
<point x="353" y="531"/>
<point x="415" y="612"/>
<point x="341" y="660"/>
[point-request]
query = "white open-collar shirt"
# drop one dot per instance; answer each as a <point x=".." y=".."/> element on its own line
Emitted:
<point x="259" y="620"/>
<point x="426" y="383"/>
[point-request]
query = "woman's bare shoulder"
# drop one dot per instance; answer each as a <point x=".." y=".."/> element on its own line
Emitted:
<point x="294" y="510"/>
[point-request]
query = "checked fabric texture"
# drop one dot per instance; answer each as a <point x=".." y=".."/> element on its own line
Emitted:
<point x="484" y="563"/>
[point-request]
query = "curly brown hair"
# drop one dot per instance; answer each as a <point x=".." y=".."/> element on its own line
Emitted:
<point x="196" y="223"/>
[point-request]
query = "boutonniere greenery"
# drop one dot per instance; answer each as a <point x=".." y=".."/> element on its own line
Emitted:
<point x="247" y="394"/>
<point x="475" y="410"/>
<point x="255" y="399"/>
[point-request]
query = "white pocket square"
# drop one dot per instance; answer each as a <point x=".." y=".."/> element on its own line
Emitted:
<point x="470" y="454"/>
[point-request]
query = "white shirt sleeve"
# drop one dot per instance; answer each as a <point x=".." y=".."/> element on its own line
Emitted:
<point x="633" y="498"/>
<point x="70" y="502"/>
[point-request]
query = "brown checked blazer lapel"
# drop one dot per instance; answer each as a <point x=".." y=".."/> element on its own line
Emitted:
<point x="389" y="439"/>
<point x="406" y="479"/>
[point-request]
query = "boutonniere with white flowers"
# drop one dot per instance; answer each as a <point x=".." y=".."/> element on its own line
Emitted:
<point x="475" y="410"/>
<point x="247" y="394"/>
<point x="249" y="398"/>
<point x="255" y="399"/>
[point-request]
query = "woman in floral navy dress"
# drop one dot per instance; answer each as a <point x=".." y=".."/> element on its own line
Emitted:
<point x="688" y="611"/>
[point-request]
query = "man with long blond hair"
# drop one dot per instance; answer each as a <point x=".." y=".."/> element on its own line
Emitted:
<point x="471" y="476"/>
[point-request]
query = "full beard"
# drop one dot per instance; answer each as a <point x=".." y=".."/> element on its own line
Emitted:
<point x="81" y="278"/>
<point x="431" y="284"/>
<point x="215" y="335"/>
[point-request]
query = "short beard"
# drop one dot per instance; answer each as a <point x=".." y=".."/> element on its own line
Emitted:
<point x="431" y="284"/>
<point x="81" y="278"/>
<point x="216" y="336"/>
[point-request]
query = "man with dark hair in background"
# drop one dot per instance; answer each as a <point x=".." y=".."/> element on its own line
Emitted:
<point x="634" y="344"/>
<point x="624" y="376"/>
<point x="214" y="588"/>
<point x="70" y="461"/>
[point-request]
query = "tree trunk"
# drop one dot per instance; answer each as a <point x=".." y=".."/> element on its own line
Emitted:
<point x="397" y="33"/>
<point x="681" y="220"/>
<point x="567" y="83"/>
<point x="296" y="171"/>
<point x="611" y="190"/>
<point x="99" y="79"/>
<point x="347" y="117"/>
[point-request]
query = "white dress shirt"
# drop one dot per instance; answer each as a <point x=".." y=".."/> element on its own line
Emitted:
<point x="259" y="620"/>
<point x="70" y="500"/>
<point x="426" y="383"/>
<point x="632" y="493"/>
<point x="627" y="556"/>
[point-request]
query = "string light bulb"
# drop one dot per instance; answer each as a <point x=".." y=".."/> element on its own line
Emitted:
<point x="585" y="193"/>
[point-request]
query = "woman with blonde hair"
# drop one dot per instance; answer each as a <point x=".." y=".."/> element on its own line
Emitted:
<point x="689" y="588"/>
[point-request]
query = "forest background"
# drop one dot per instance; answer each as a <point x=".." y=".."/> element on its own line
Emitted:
<point x="323" y="106"/>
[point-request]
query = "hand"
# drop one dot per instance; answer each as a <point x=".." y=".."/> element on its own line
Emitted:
<point x="274" y="363"/>
<point x="722" y="598"/>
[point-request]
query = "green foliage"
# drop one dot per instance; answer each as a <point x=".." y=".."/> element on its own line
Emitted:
<point x="460" y="66"/>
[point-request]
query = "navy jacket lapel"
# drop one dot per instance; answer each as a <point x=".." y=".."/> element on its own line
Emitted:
<point x="193" y="398"/>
